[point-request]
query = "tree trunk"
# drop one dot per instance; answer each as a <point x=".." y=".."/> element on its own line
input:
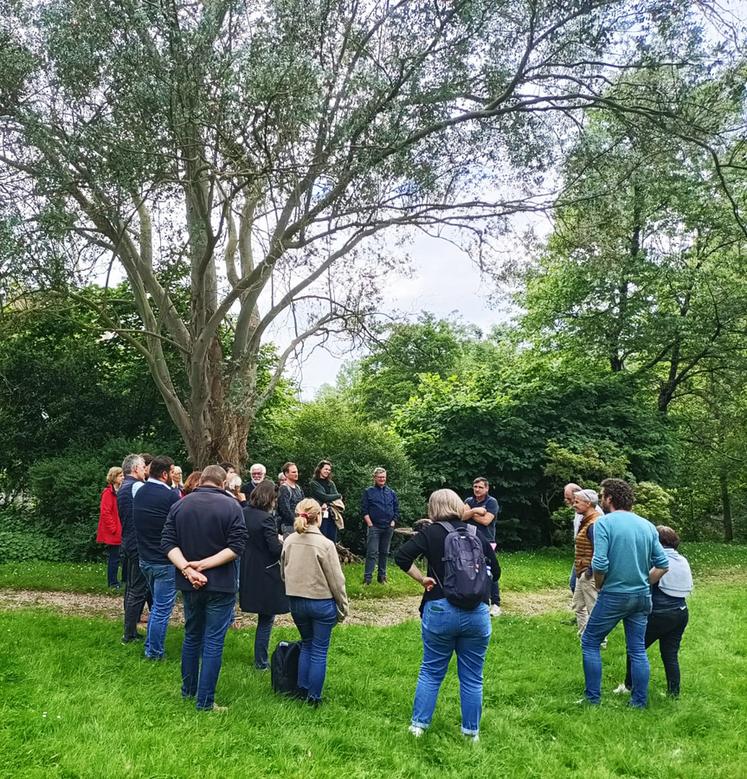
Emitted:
<point x="726" y="506"/>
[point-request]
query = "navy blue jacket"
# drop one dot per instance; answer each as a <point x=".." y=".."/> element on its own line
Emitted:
<point x="381" y="504"/>
<point x="201" y="524"/>
<point x="150" y="508"/>
<point x="124" y="507"/>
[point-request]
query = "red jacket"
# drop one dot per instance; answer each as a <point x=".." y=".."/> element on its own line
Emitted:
<point x="110" y="528"/>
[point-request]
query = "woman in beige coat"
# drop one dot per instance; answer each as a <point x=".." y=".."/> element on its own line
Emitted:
<point x="315" y="586"/>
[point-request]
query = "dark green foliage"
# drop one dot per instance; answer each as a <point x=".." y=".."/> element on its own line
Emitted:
<point x="66" y="492"/>
<point x="460" y="428"/>
<point x="63" y="385"/>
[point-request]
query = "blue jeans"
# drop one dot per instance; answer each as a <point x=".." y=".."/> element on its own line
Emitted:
<point x="447" y="629"/>
<point x="207" y="616"/>
<point x="262" y="640"/>
<point x="611" y="607"/>
<point x="112" y="565"/>
<point x="162" y="584"/>
<point x="314" y="620"/>
<point x="377" y="548"/>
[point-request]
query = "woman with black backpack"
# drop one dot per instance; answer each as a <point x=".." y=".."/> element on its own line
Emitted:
<point x="454" y="609"/>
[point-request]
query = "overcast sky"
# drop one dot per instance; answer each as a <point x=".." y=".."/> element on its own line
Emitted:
<point x="445" y="282"/>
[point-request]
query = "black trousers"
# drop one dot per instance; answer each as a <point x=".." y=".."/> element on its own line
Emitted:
<point x="667" y="628"/>
<point x="136" y="595"/>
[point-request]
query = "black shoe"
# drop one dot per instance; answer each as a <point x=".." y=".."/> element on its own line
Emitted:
<point x="366" y="582"/>
<point x="130" y="639"/>
<point x="382" y="580"/>
<point x="315" y="703"/>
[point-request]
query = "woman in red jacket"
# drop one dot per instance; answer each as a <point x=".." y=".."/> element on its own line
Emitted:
<point x="110" y="528"/>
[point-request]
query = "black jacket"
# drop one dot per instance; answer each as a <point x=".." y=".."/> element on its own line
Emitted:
<point x="124" y="507"/>
<point x="261" y="590"/>
<point x="429" y="543"/>
<point x="205" y="522"/>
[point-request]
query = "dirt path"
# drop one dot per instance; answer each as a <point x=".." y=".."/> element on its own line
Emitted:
<point x="380" y="612"/>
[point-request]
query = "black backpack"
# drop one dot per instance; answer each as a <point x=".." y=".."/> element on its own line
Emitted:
<point x="284" y="668"/>
<point x="466" y="574"/>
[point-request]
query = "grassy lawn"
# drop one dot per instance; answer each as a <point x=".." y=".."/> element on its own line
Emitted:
<point x="522" y="572"/>
<point x="76" y="703"/>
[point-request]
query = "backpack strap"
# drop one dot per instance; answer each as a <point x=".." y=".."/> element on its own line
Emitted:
<point x="449" y="527"/>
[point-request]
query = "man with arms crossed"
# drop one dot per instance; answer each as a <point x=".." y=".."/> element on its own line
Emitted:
<point x="628" y="558"/>
<point x="203" y="536"/>
<point x="480" y="510"/>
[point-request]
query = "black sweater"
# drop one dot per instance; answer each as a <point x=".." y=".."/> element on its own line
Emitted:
<point x="201" y="524"/>
<point x="151" y="506"/>
<point x="429" y="543"/>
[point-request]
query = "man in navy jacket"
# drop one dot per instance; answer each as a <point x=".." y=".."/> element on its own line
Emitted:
<point x="380" y="509"/>
<point x="203" y="536"/>
<point x="151" y="506"/>
<point x="136" y="590"/>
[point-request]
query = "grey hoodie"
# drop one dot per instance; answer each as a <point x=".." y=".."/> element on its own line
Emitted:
<point x="677" y="582"/>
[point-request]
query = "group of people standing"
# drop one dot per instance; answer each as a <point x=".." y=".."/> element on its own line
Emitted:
<point x="626" y="570"/>
<point x="213" y="536"/>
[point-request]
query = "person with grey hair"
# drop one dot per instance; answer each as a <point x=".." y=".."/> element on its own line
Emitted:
<point x="136" y="587"/>
<point x="380" y="509"/>
<point x="586" y="503"/>
<point x="257" y="474"/>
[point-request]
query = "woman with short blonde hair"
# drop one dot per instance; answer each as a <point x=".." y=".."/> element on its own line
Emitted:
<point x="315" y="586"/>
<point x="450" y="624"/>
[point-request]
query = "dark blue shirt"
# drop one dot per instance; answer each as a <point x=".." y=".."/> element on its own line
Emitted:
<point x="151" y="507"/>
<point x="381" y="504"/>
<point x="201" y="524"/>
<point x="490" y="504"/>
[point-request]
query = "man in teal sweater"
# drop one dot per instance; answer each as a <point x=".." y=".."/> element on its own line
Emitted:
<point x="628" y="558"/>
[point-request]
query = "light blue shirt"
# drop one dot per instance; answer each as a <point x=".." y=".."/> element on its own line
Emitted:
<point x="626" y="547"/>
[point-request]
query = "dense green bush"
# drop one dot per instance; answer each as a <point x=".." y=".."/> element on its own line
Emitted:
<point x="66" y="494"/>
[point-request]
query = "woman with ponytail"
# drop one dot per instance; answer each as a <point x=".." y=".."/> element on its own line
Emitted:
<point x="315" y="586"/>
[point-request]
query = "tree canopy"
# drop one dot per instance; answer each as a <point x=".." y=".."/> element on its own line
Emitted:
<point x="242" y="162"/>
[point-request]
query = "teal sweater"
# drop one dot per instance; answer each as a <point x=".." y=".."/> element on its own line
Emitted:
<point x="626" y="547"/>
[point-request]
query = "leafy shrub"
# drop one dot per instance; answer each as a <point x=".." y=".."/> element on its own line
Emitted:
<point x="653" y="502"/>
<point x="19" y="546"/>
<point x="66" y="492"/>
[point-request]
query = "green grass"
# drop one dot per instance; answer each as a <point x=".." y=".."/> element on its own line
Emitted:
<point x="76" y="703"/>
<point x="522" y="572"/>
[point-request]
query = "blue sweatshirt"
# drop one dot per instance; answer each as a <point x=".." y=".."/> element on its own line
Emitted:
<point x="626" y="547"/>
<point x="381" y="504"/>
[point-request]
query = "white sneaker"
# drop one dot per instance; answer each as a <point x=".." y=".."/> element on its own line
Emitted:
<point x="495" y="611"/>
<point x="621" y="689"/>
<point x="473" y="737"/>
<point x="416" y="730"/>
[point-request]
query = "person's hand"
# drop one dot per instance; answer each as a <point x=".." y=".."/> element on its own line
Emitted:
<point x="479" y="512"/>
<point x="197" y="565"/>
<point x="391" y="524"/>
<point x="428" y="583"/>
<point x="368" y="522"/>
<point x="196" y="579"/>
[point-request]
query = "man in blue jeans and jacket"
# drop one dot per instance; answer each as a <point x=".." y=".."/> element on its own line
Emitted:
<point x="380" y="509"/>
<point x="203" y="536"/>
<point x="628" y="558"/>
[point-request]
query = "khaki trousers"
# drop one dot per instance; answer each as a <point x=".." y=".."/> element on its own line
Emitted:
<point x="584" y="598"/>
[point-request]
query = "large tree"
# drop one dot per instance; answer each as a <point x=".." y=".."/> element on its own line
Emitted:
<point x="239" y="160"/>
<point x="645" y="269"/>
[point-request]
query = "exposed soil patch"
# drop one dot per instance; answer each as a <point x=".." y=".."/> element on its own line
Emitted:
<point x="380" y="612"/>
